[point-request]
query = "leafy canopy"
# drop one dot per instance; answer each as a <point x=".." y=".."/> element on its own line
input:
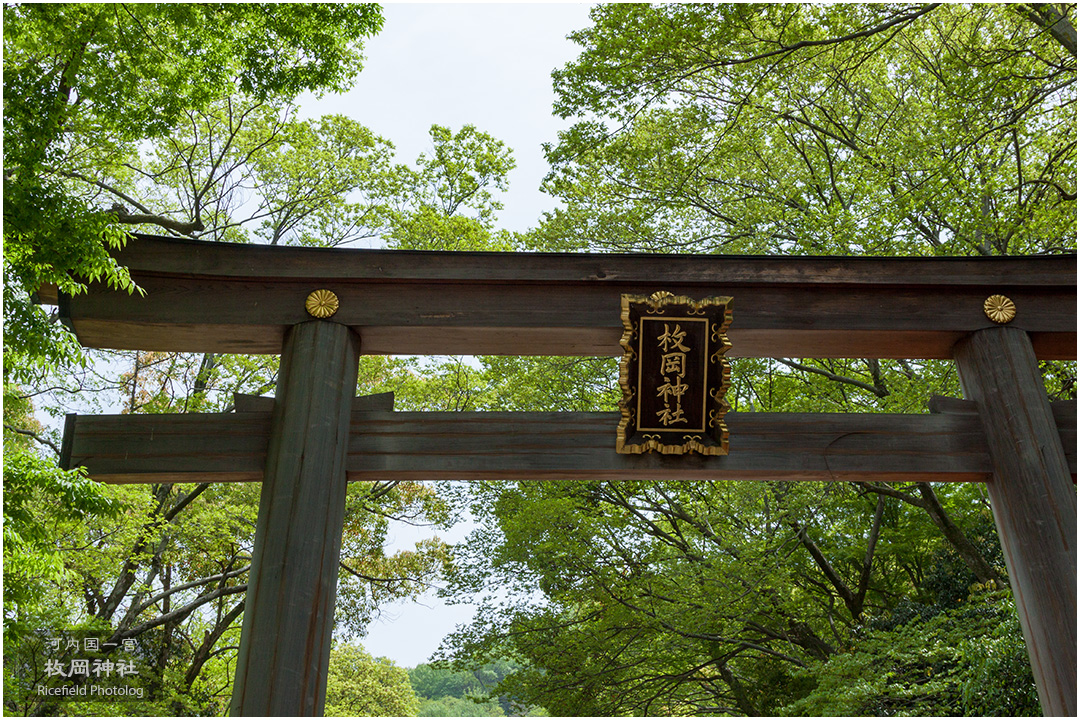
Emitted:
<point x="818" y="129"/>
<point x="85" y="86"/>
<point x="95" y="78"/>
<point x="359" y="685"/>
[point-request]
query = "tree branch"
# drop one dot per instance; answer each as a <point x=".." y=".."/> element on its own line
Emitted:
<point x="186" y="586"/>
<point x="738" y="691"/>
<point x="871" y="545"/>
<point x="788" y="49"/>
<point x="928" y="501"/>
<point x="956" y="537"/>
<point x="829" y="571"/>
<point x="103" y="186"/>
<point x="209" y="639"/>
<point x="879" y="391"/>
<point x="145" y="216"/>
<point x="185" y="501"/>
<point x="1062" y="192"/>
<point x="126" y="218"/>
<point x="34" y="436"/>
<point x="179" y="613"/>
<point x="1048" y="17"/>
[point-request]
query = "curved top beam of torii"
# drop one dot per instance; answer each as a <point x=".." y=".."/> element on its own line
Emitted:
<point x="222" y="297"/>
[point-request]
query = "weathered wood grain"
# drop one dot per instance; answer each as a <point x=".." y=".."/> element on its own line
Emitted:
<point x="289" y="611"/>
<point x="227" y="298"/>
<point x="546" y="446"/>
<point x="1033" y="501"/>
<point x="1064" y="412"/>
<point x="168" y="448"/>
<point x="258" y="403"/>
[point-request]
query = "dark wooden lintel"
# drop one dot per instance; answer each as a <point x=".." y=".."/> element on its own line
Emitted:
<point x="1064" y="412"/>
<point x="548" y="446"/>
<point x="221" y="297"/>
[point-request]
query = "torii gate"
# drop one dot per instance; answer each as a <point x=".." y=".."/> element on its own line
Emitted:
<point x="216" y="297"/>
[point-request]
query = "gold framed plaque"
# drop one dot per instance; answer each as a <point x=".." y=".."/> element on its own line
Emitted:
<point x="674" y="374"/>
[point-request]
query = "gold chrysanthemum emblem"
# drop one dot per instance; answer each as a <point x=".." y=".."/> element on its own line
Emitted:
<point x="321" y="304"/>
<point x="999" y="308"/>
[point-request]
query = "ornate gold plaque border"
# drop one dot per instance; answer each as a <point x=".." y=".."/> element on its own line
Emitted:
<point x="692" y="443"/>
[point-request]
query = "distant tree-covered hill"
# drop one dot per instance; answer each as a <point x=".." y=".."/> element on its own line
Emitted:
<point x="445" y="692"/>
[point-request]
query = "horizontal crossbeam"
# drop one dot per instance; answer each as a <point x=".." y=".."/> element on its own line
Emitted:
<point x="222" y="297"/>
<point x="548" y="446"/>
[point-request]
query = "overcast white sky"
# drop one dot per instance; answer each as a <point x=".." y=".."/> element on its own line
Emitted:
<point x="486" y="64"/>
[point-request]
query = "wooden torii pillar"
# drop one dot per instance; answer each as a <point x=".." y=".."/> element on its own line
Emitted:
<point x="215" y="297"/>
<point x="289" y="612"/>
<point x="1033" y="503"/>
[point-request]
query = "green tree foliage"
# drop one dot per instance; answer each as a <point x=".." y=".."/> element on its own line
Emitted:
<point x="966" y="661"/>
<point x="31" y="557"/>
<point x="446" y="203"/>
<point x="816" y="129"/>
<point x="730" y="598"/>
<point x="170" y="572"/>
<point x="446" y="692"/>
<point x="179" y="120"/>
<point x="85" y="83"/>
<point x="771" y="128"/>
<point x="316" y="182"/>
<point x="449" y="706"/>
<point x="359" y="685"/>
<point x="854" y="129"/>
<point x="158" y="117"/>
